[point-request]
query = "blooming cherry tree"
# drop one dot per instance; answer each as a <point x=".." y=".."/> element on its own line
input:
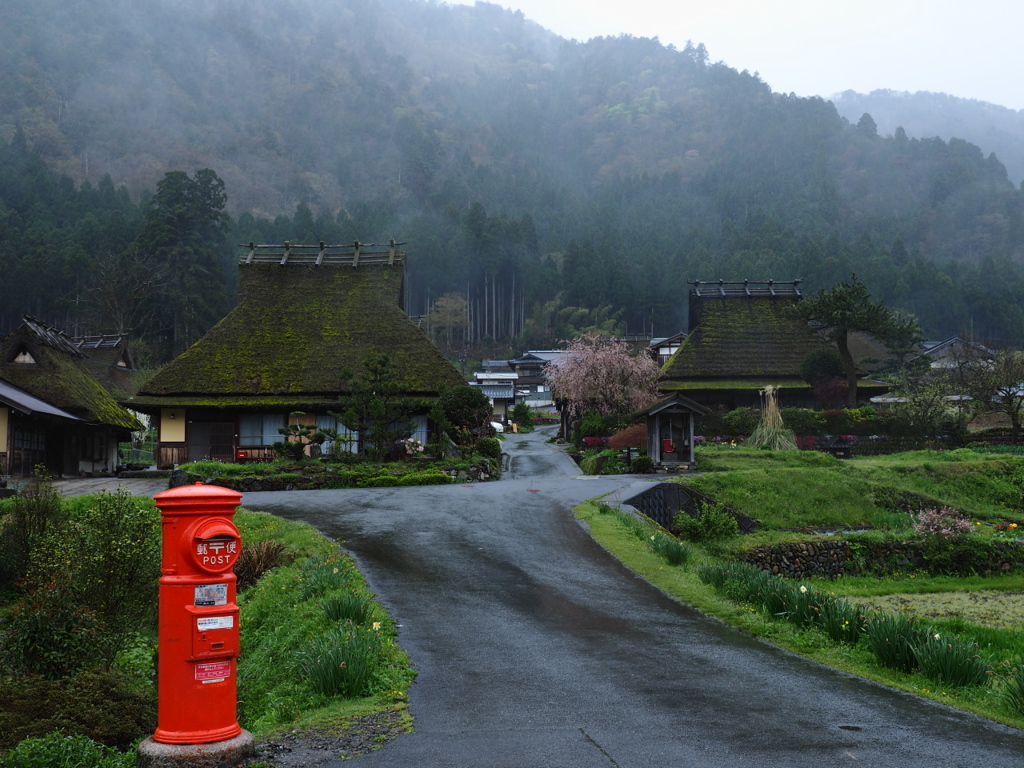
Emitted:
<point x="599" y="375"/>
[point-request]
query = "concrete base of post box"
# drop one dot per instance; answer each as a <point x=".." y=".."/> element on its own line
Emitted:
<point x="216" y="754"/>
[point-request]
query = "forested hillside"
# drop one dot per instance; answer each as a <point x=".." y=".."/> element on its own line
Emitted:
<point x="553" y="185"/>
<point x="923" y="114"/>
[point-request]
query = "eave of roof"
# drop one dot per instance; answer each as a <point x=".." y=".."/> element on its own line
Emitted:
<point x="20" y="400"/>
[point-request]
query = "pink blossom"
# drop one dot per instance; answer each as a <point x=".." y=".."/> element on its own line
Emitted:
<point x="599" y="375"/>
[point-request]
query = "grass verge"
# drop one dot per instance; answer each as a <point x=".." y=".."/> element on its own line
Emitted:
<point x="683" y="584"/>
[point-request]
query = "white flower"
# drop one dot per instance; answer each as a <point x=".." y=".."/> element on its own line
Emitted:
<point x="803" y="588"/>
<point x="936" y="635"/>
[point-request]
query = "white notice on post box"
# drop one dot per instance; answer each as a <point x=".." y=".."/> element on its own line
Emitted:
<point x="211" y="594"/>
<point x="215" y="622"/>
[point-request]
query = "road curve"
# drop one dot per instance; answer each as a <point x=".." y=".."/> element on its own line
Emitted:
<point x="537" y="648"/>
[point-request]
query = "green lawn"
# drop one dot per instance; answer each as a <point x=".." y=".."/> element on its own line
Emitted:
<point x="787" y="491"/>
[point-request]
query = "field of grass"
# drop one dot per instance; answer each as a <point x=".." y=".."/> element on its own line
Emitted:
<point x="794" y="494"/>
<point x="798" y="489"/>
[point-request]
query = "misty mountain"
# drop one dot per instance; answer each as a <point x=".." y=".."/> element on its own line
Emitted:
<point x="992" y="128"/>
<point x="554" y="185"/>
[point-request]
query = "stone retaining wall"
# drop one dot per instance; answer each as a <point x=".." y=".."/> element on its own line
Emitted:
<point x="832" y="558"/>
<point x="800" y="560"/>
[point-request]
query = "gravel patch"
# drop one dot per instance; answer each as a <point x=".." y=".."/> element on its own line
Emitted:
<point x="312" y="747"/>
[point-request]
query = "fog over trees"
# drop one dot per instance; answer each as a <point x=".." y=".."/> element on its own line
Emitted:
<point x="556" y="186"/>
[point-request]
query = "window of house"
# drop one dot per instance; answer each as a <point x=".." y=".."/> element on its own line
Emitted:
<point x="347" y="442"/>
<point x="260" y="429"/>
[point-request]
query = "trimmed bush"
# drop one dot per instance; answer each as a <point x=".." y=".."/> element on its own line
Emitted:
<point x="641" y="465"/>
<point x="489" y="447"/>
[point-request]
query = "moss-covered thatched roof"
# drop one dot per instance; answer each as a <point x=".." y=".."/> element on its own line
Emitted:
<point x="742" y="338"/>
<point x="295" y="330"/>
<point x="55" y="371"/>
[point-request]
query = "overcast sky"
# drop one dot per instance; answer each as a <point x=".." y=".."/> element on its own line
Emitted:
<point x="968" y="48"/>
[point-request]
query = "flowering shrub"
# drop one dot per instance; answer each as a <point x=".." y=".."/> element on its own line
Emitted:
<point x="413" y="447"/>
<point x="943" y="523"/>
<point x="594" y="442"/>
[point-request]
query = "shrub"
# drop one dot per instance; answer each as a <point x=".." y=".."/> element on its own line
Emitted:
<point x="489" y="447"/>
<point x="943" y="523"/>
<point x="742" y="421"/>
<point x="377" y="481"/>
<point x="433" y="477"/>
<point x="711" y="522"/>
<point x="802" y="421"/>
<point x="55" y="750"/>
<point x="595" y="425"/>
<point x="634" y="436"/>
<point x="641" y="465"/>
<point x="255" y="560"/>
<point x="33" y="513"/>
<point x="117" y="551"/>
<point x="947" y="545"/>
<point x="522" y="415"/>
<point x="291" y="450"/>
<point x="104" y="707"/>
<point x="48" y="632"/>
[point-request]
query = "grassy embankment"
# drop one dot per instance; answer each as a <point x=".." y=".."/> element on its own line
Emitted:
<point x="317" y="651"/>
<point x="797" y="495"/>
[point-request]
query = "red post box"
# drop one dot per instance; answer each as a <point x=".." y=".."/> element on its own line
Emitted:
<point x="199" y="632"/>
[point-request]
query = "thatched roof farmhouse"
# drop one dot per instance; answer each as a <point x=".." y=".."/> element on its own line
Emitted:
<point x="305" y="315"/>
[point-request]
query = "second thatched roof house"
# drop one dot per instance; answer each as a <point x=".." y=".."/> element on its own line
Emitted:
<point x="305" y="315"/>
<point x="741" y="339"/>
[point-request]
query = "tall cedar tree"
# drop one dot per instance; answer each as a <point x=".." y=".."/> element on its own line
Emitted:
<point x="186" y="232"/>
<point x="847" y="308"/>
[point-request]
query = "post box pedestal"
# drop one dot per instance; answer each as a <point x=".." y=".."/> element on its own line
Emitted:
<point x="216" y="754"/>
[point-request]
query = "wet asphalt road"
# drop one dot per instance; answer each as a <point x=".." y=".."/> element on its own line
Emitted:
<point x="535" y="648"/>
